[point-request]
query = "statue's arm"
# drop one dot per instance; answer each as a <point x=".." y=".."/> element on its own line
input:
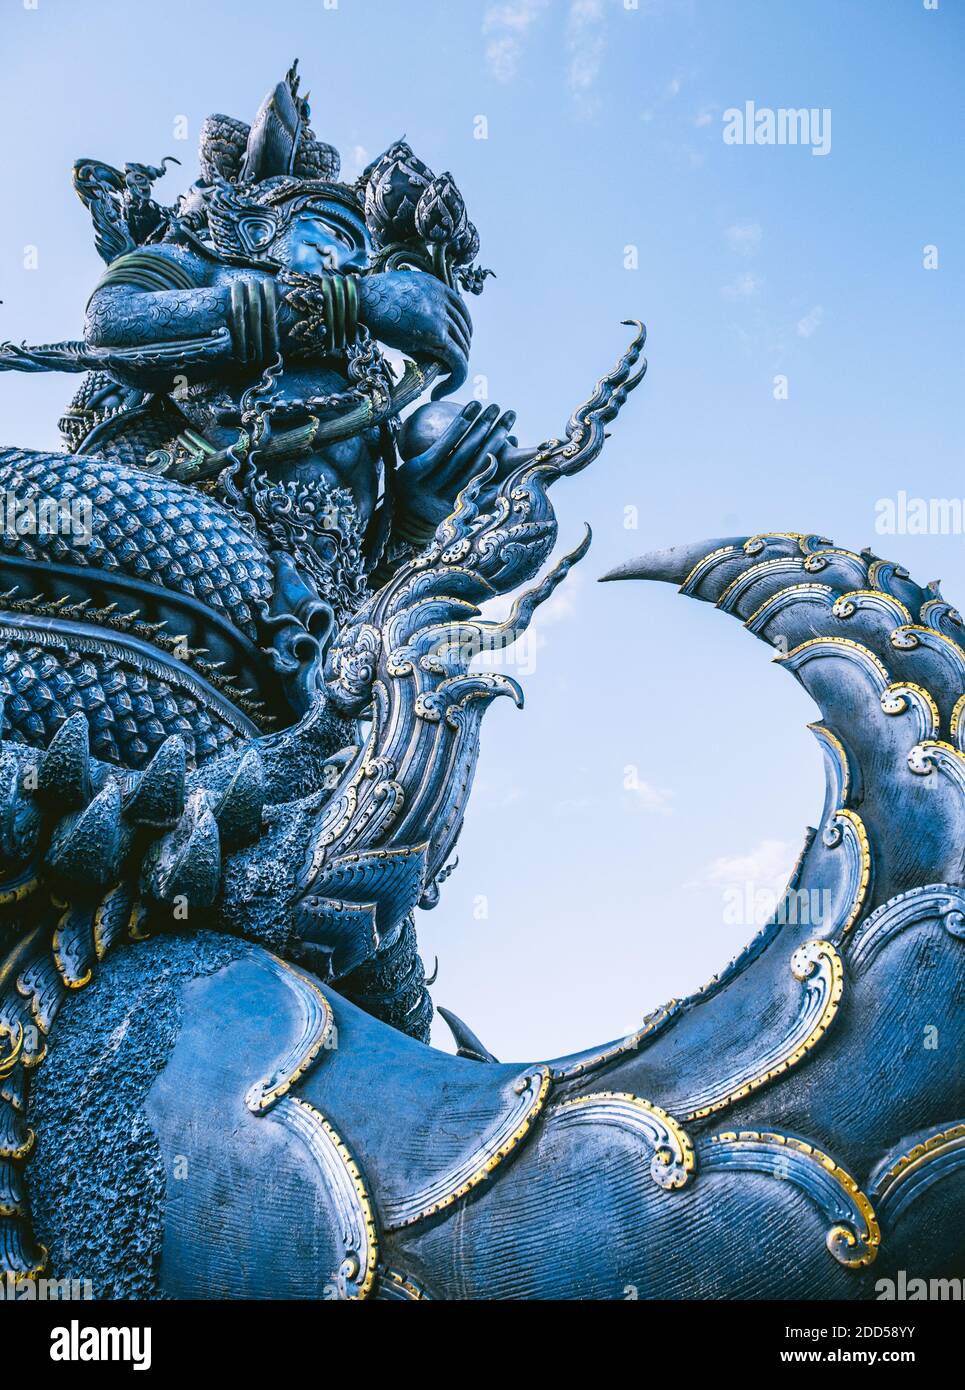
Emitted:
<point x="156" y="315"/>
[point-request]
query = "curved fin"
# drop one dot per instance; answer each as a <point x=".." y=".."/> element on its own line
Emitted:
<point x="467" y="1044"/>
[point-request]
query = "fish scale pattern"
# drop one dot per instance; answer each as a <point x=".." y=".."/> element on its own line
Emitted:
<point x="144" y="526"/>
<point x="130" y="713"/>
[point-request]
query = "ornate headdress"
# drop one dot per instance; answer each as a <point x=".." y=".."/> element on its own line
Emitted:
<point x="279" y="142"/>
<point x="255" y="178"/>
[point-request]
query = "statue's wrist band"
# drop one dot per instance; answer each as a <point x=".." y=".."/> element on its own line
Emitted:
<point x="253" y="320"/>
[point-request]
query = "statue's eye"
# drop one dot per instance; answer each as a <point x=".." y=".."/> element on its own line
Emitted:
<point x="334" y="233"/>
<point x="338" y="235"/>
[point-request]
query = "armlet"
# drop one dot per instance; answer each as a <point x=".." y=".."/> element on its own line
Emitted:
<point x="147" y="272"/>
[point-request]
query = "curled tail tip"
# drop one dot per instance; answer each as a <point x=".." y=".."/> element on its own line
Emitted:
<point x="640" y="326"/>
<point x="670" y="566"/>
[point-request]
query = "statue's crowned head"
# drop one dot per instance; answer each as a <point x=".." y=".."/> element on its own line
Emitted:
<point x="271" y="192"/>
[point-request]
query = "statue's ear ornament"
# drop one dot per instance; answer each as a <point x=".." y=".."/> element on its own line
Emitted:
<point x="257" y="231"/>
<point x="124" y="214"/>
<point x="225" y="209"/>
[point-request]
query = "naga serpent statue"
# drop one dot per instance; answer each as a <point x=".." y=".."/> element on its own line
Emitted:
<point x="240" y="728"/>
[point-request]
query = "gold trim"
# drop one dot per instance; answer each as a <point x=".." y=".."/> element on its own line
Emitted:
<point x="864" y="850"/>
<point x="847" y="643"/>
<point x="802" y="967"/>
<point x="778" y="600"/>
<point x="262" y="1095"/>
<point x="832" y="551"/>
<point x="844" y="762"/>
<point x="838" y="1236"/>
<point x="411" y="1291"/>
<point x="65" y="978"/>
<point x="917" y="1157"/>
<point x="944" y="609"/>
<point x="136" y="921"/>
<point x="955" y="723"/>
<point x="880" y="599"/>
<point x="663" y="1157"/>
<point x="943" y="637"/>
<point x="748" y="578"/>
<point x="362" y="1196"/>
<point x="18" y="1154"/>
<point x="97" y="926"/>
<point x="928" y="747"/>
<point x="392" y="1218"/>
<point x="762" y="538"/>
<point x="899" y="690"/>
<point x="877" y="567"/>
<point x="695" y="573"/>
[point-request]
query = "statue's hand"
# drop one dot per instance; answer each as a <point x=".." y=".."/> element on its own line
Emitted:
<point x="416" y="313"/>
<point x="443" y="447"/>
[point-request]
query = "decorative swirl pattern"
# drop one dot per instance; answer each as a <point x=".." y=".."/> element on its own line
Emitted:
<point x="672" y="1163"/>
<point x="854" y="1235"/>
<point x="531" y="1090"/>
<point x="818" y="966"/>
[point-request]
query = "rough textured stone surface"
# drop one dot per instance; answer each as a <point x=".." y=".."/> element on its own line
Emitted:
<point x="96" y="1180"/>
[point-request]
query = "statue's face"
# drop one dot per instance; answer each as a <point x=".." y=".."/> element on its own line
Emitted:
<point x="313" y="243"/>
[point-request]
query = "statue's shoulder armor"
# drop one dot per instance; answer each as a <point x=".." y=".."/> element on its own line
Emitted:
<point x="170" y="266"/>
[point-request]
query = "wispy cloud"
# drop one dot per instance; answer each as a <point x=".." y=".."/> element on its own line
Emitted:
<point x="506" y="27"/>
<point x="746" y="286"/>
<point x="646" y="797"/>
<point x="768" y="864"/>
<point x="811" y="322"/>
<point x="585" y="47"/>
<point x="516" y="15"/>
<point x="745" y="238"/>
<point x="358" y="158"/>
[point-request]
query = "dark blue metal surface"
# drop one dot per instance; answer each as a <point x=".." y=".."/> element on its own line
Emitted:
<point x="241" y="731"/>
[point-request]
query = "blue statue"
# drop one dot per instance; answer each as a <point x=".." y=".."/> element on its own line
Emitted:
<point x="240" y="729"/>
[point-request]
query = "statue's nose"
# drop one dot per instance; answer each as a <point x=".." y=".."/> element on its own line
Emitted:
<point x="358" y="261"/>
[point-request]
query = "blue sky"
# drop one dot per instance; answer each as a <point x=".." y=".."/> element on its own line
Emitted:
<point x="579" y="905"/>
